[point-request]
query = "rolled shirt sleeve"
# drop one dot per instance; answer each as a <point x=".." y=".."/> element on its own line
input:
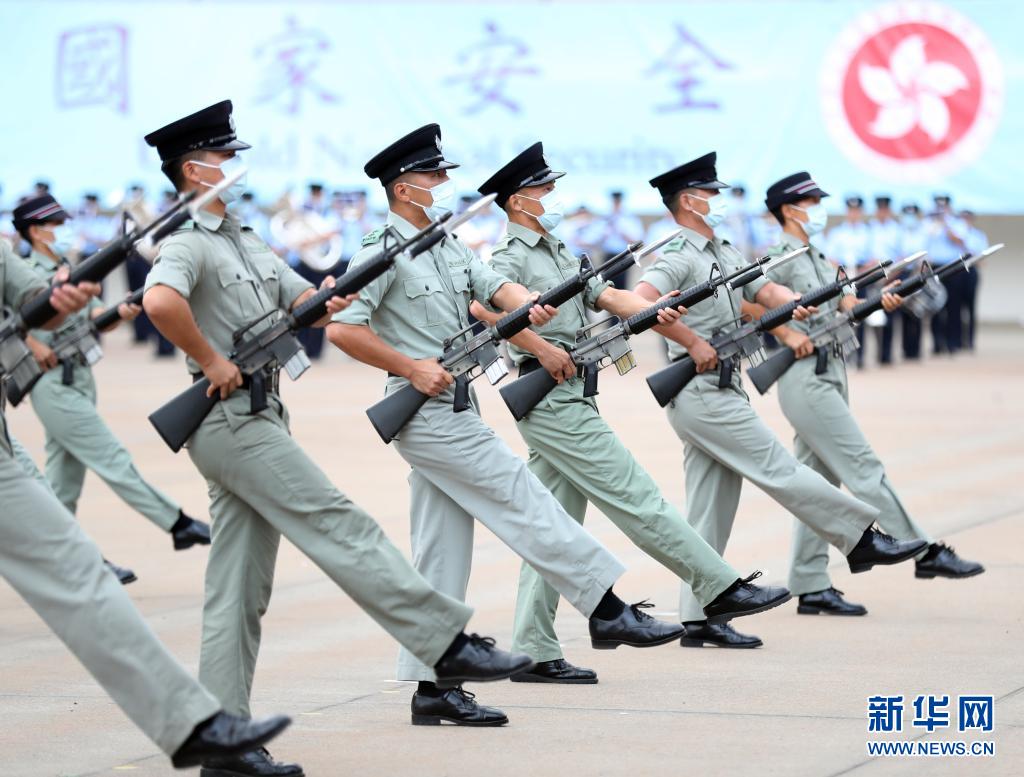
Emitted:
<point x="177" y="266"/>
<point x="370" y="296"/>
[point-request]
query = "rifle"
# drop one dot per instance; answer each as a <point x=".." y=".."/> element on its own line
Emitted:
<point x="745" y="339"/>
<point x="837" y="335"/>
<point x="479" y="354"/>
<point x="259" y="354"/>
<point x="592" y="353"/>
<point x="16" y="361"/>
<point x="80" y="341"/>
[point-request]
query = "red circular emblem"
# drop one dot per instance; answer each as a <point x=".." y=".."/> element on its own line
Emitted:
<point x="912" y="91"/>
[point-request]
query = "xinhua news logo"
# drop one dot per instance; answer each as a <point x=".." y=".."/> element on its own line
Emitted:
<point x="928" y="714"/>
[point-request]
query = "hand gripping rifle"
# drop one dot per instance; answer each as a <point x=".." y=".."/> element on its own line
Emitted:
<point x="16" y="360"/>
<point x="592" y="353"/>
<point x="259" y="353"/>
<point x="837" y="335"/>
<point x="479" y="354"/>
<point x="745" y="339"/>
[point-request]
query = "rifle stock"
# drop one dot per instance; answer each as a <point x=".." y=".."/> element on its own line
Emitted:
<point x="390" y="414"/>
<point x="764" y="375"/>
<point x="670" y="380"/>
<point x="178" y="419"/>
<point x="523" y="394"/>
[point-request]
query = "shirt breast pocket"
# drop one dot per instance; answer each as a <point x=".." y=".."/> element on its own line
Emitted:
<point x="428" y="301"/>
<point x="266" y="265"/>
<point x="236" y="285"/>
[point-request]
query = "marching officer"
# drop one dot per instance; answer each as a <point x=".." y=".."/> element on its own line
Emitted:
<point x="461" y="470"/>
<point x="64" y="399"/>
<point x="573" y="451"/>
<point x="48" y="560"/>
<point x="212" y="277"/>
<point x="828" y="439"/>
<point x="724" y="439"/>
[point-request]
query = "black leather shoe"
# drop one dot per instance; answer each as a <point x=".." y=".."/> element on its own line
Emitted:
<point x="942" y="561"/>
<point x="745" y="598"/>
<point x="557" y="671"/>
<point x="258" y="763"/>
<point x="455" y="706"/>
<point x="224" y="736"/>
<point x="632" y="627"/>
<point x="876" y="547"/>
<point x="828" y="602"/>
<point x="478" y="660"/>
<point x="717" y="635"/>
<point x="123" y="574"/>
<point x="194" y="533"/>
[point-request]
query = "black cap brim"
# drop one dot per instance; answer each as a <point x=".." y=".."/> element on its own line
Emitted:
<point x="231" y="145"/>
<point x="715" y="185"/>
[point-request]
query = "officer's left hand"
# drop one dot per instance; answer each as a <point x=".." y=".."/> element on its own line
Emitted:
<point x="70" y="299"/>
<point x="128" y="312"/>
<point x="541" y="314"/>
<point x="799" y="342"/>
<point x="891" y="301"/>
<point x="668" y="316"/>
<point x="337" y="304"/>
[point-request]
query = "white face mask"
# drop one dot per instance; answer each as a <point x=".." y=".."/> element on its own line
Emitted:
<point x="442" y="199"/>
<point x="228" y="168"/>
<point x="718" y="206"/>
<point x="817" y="217"/>
<point x="63" y="239"/>
<point x="552" y="215"/>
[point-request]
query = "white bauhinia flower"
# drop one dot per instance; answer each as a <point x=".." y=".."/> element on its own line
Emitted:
<point x="911" y="92"/>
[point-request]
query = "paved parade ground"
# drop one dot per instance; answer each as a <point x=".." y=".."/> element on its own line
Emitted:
<point x="949" y="430"/>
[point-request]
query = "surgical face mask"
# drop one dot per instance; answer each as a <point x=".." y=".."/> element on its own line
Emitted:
<point x="552" y="215"/>
<point x="718" y="206"/>
<point x="817" y="217"/>
<point x="911" y="220"/>
<point x="228" y="168"/>
<point x="443" y="196"/>
<point x="63" y="239"/>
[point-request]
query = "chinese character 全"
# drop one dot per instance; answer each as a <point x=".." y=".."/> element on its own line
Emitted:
<point x="683" y="59"/>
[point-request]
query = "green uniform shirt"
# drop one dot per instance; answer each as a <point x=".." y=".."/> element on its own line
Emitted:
<point x="803" y="274"/>
<point x="419" y="302"/>
<point x="18" y="284"/>
<point x="229" y="276"/>
<point x="687" y="261"/>
<point x="45" y="267"/>
<point x="541" y="262"/>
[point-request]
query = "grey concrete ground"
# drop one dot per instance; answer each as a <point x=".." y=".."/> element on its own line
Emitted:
<point x="950" y="431"/>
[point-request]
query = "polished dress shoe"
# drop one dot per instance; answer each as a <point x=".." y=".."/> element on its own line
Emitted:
<point x="192" y="533"/>
<point x="942" y="561"/>
<point x="745" y="598"/>
<point x="257" y="763"/>
<point x="455" y="706"/>
<point x="478" y="660"/>
<point x="123" y="574"/>
<point x="828" y="602"/>
<point x="632" y="627"/>
<point x="224" y="736"/>
<point x="701" y="633"/>
<point x="876" y="547"/>
<point x="557" y="671"/>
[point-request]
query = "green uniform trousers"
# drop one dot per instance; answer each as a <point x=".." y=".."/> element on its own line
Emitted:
<point x="77" y="439"/>
<point x="578" y="457"/>
<point x="463" y="471"/>
<point x="58" y="571"/>
<point x="27" y="464"/>
<point x="829" y="441"/>
<point x="725" y="441"/>
<point x="263" y="485"/>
